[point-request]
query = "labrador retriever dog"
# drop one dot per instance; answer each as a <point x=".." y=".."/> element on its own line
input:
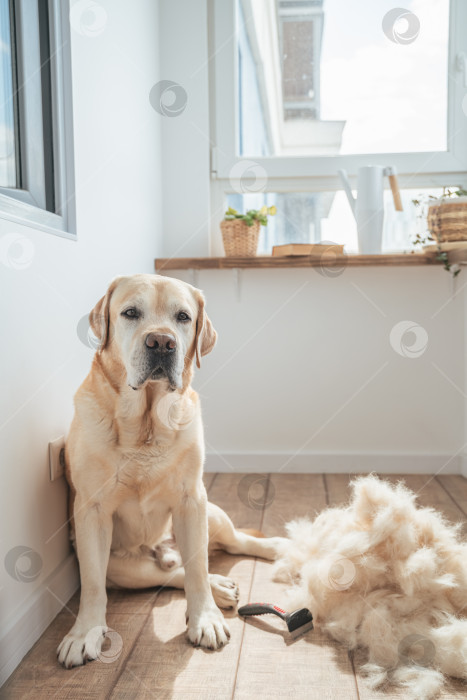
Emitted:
<point x="134" y="461"/>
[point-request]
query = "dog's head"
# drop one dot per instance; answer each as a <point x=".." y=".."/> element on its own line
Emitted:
<point x="154" y="326"/>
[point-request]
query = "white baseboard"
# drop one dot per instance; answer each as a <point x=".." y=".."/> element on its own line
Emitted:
<point x="36" y="615"/>
<point x="315" y="463"/>
<point x="463" y="468"/>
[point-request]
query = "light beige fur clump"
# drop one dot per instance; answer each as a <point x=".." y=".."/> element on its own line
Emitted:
<point x="389" y="577"/>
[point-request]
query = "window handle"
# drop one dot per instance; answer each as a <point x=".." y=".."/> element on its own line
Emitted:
<point x="461" y="65"/>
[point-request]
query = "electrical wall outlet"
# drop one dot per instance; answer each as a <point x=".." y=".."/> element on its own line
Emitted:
<point x="57" y="458"/>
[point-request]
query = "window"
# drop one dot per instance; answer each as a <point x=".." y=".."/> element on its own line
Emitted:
<point x="36" y="169"/>
<point x="304" y="88"/>
<point x="307" y="217"/>
<point x="9" y="141"/>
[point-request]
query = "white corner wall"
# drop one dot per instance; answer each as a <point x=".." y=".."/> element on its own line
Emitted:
<point x="118" y="185"/>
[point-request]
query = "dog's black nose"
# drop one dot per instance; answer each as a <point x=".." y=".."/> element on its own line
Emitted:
<point x="163" y="342"/>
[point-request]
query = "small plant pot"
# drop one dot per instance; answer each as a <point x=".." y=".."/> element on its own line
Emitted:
<point x="447" y="220"/>
<point x="239" y="239"/>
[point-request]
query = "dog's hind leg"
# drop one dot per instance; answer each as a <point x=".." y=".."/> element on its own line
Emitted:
<point x="223" y="535"/>
<point x="144" y="572"/>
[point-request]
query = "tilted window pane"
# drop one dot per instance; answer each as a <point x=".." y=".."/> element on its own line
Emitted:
<point x="7" y="105"/>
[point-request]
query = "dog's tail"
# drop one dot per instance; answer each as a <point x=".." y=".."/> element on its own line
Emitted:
<point x="252" y="532"/>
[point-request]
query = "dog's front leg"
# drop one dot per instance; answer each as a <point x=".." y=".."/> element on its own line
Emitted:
<point x="93" y="539"/>
<point x="206" y="624"/>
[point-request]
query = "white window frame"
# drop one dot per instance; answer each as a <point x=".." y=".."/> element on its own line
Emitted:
<point x="319" y="173"/>
<point x="28" y="206"/>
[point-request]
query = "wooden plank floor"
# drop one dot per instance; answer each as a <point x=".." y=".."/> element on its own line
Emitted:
<point x="156" y="661"/>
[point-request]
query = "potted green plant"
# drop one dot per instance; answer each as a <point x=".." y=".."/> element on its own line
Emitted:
<point x="240" y="232"/>
<point x="446" y="221"/>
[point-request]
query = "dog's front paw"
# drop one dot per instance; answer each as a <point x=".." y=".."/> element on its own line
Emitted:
<point x="208" y="629"/>
<point x="79" y="646"/>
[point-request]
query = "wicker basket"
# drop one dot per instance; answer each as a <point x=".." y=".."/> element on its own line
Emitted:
<point x="447" y="220"/>
<point x="239" y="239"/>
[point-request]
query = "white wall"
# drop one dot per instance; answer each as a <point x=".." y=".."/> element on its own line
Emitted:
<point x="185" y="138"/>
<point x="304" y="376"/>
<point x="118" y="184"/>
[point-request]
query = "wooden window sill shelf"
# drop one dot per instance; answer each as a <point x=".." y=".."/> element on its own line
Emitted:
<point x="267" y="261"/>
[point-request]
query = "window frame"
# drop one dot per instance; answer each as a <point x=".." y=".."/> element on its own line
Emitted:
<point x="27" y="205"/>
<point x="319" y="173"/>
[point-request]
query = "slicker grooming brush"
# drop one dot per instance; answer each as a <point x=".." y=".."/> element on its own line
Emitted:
<point x="298" y="622"/>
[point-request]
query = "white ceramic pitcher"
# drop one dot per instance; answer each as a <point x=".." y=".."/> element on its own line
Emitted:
<point x="368" y="208"/>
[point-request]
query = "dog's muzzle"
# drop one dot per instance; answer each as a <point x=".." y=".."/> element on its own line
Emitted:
<point x="160" y="351"/>
<point x="160" y="360"/>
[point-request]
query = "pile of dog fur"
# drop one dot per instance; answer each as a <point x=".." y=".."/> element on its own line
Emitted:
<point x="387" y="576"/>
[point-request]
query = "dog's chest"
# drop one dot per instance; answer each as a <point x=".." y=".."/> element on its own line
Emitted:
<point x="148" y="448"/>
<point x="144" y="467"/>
<point x="155" y="430"/>
<point x="140" y="521"/>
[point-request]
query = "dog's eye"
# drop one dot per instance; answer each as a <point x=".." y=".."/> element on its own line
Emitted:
<point x="183" y="316"/>
<point x="131" y="313"/>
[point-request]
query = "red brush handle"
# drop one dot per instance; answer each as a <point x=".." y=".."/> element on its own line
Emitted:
<point x="262" y="609"/>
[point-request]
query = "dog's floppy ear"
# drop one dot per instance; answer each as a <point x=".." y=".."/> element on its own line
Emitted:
<point x="206" y="336"/>
<point x="99" y="318"/>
